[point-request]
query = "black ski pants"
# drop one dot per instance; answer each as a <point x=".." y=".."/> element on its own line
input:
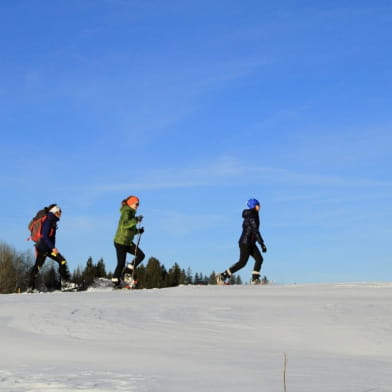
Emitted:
<point x="245" y="252"/>
<point x="121" y="251"/>
<point x="39" y="262"/>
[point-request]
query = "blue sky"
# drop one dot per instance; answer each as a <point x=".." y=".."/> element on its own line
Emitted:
<point x="195" y="107"/>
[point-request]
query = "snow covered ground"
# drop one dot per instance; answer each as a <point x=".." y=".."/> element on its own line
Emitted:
<point x="337" y="337"/>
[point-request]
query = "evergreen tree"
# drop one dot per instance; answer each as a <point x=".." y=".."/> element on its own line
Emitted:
<point x="153" y="276"/>
<point x="212" y="278"/>
<point x="67" y="273"/>
<point x="51" y="278"/>
<point x="89" y="273"/>
<point x="140" y="276"/>
<point x="232" y="279"/>
<point x="197" y="279"/>
<point x="264" y="280"/>
<point x="188" y="276"/>
<point x="100" y="270"/>
<point x="201" y="279"/>
<point x="183" y="276"/>
<point x="175" y="276"/>
<point x="163" y="276"/>
<point x="77" y="277"/>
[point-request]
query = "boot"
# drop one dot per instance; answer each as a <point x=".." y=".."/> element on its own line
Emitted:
<point x="255" y="278"/>
<point x="117" y="284"/>
<point x="221" y="278"/>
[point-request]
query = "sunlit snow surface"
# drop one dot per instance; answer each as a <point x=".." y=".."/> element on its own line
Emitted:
<point x="337" y="337"/>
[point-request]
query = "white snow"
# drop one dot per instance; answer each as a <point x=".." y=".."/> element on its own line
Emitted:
<point x="337" y="337"/>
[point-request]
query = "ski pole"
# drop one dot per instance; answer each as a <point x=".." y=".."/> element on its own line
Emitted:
<point x="133" y="263"/>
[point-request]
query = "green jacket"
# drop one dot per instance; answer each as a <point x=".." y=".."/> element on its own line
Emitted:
<point x="126" y="229"/>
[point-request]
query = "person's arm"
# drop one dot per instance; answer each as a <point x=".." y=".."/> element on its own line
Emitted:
<point x="47" y="240"/>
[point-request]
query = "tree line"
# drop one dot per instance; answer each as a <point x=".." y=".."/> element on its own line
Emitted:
<point x="15" y="269"/>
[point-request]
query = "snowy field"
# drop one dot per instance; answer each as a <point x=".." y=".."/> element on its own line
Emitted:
<point x="337" y="337"/>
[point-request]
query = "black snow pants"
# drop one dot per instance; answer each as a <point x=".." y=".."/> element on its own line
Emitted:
<point x="39" y="262"/>
<point x="245" y="252"/>
<point x="121" y="251"/>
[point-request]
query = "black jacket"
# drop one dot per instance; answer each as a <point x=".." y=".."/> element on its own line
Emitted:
<point x="250" y="228"/>
<point x="48" y="232"/>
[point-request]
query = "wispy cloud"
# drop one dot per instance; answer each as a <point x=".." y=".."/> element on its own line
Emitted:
<point x="231" y="171"/>
<point x="305" y="178"/>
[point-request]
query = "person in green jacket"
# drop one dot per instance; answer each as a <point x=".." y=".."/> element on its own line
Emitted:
<point x="123" y="240"/>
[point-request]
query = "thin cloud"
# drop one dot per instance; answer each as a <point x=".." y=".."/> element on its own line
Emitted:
<point x="228" y="171"/>
<point x="304" y="178"/>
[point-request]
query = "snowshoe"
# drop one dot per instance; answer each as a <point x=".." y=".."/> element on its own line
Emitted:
<point x="220" y="280"/>
<point x="128" y="278"/>
<point x="118" y="286"/>
<point x="130" y="285"/>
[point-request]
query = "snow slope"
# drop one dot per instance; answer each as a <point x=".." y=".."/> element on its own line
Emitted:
<point x="337" y="337"/>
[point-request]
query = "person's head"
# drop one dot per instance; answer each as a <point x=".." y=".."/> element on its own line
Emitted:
<point x="253" y="204"/>
<point x="56" y="210"/>
<point x="131" y="201"/>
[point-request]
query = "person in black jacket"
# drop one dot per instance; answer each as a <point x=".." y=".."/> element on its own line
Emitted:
<point x="46" y="247"/>
<point x="247" y="243"/>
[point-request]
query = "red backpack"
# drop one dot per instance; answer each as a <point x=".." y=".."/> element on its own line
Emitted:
<point x="35" y="225"/>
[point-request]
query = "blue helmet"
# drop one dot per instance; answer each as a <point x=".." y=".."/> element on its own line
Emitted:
<point x="252" y="203"/>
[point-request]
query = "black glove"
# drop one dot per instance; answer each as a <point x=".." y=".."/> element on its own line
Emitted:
<point x="263" y="248"/>
<point x="139" y="218"/>
<point x="140" y="230"/>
